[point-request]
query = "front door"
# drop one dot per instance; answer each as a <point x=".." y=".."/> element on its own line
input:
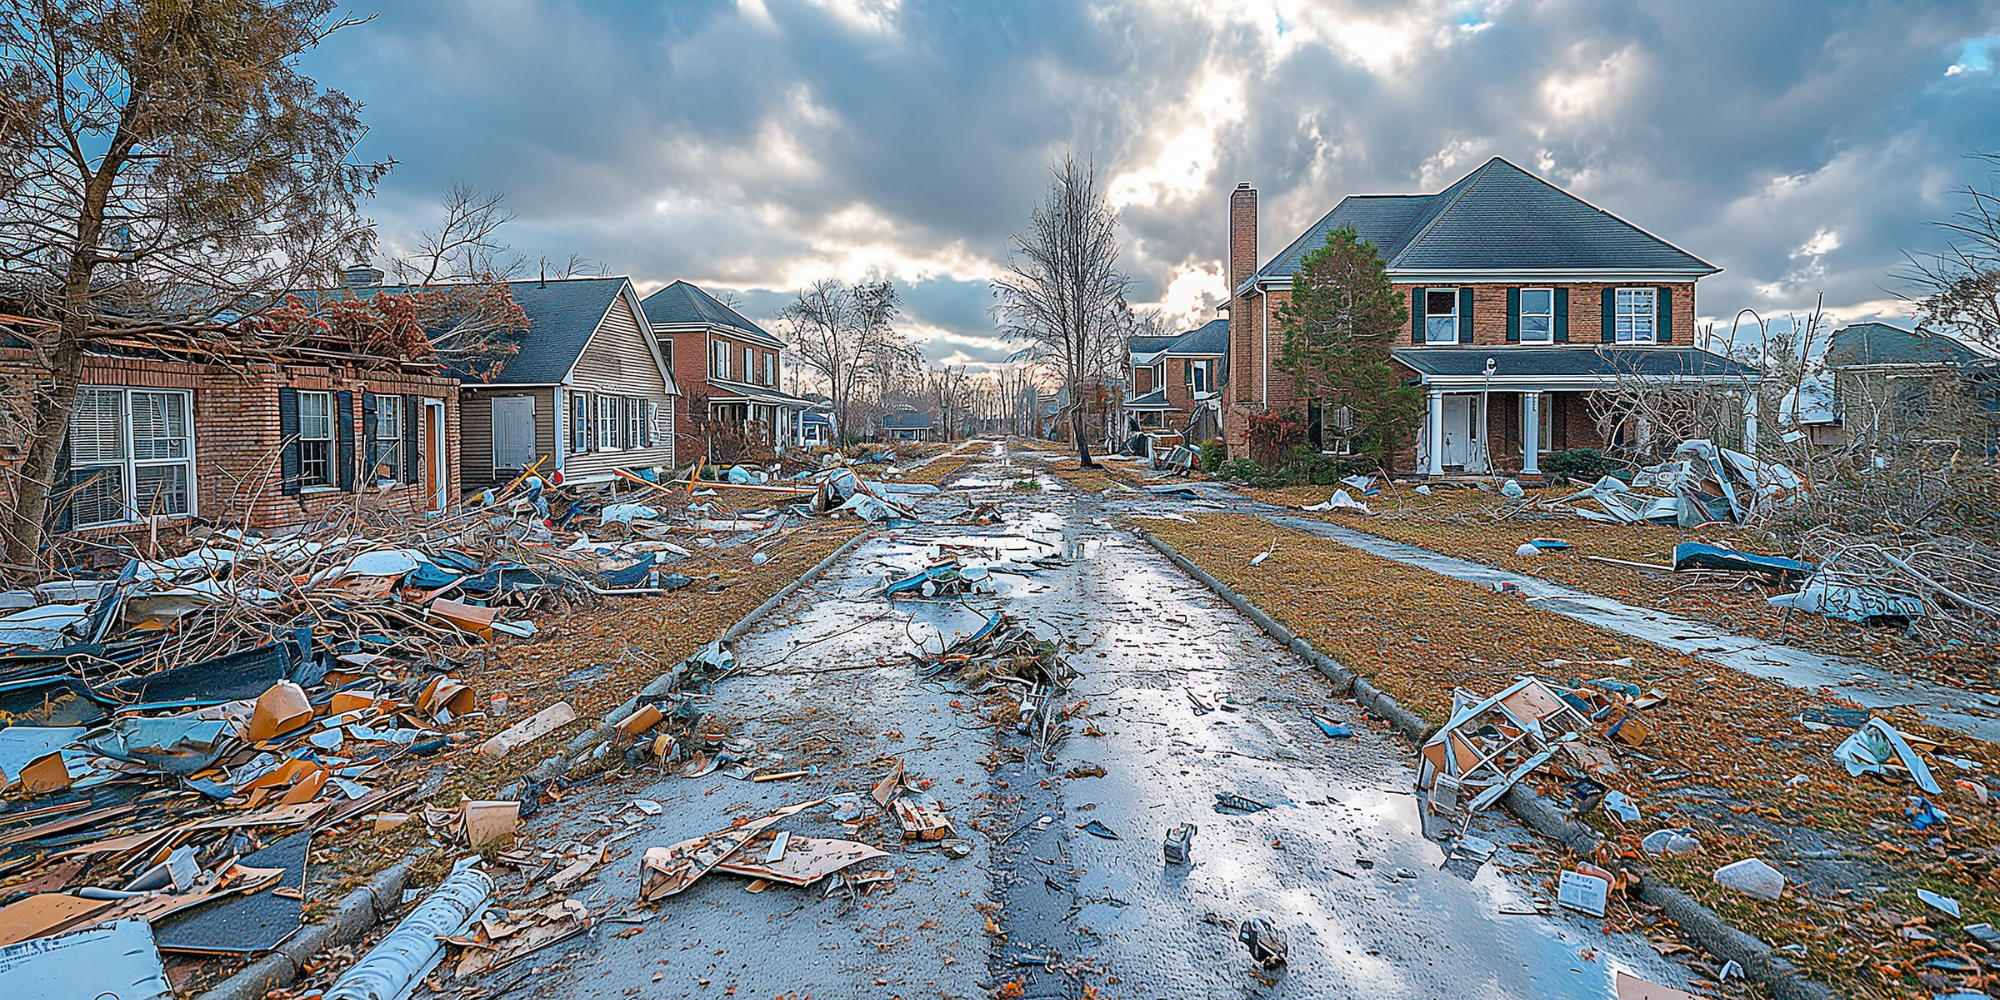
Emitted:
<point x="436" y="475"/>
<point x="1461" y="433"/>
<point x="513" y="433"/>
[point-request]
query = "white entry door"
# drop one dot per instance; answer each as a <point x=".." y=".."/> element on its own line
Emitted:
<point x="1461" y="433"/>
<point x="513" y="432"/>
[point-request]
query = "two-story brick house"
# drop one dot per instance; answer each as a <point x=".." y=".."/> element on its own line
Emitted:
<point x="1176" y="383"/>
<point x="1522" y="298"/>
<point x="730" y="362"/>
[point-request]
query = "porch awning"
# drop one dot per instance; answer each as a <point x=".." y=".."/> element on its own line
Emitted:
<point x="1568" y="367"/>
<point x="724" y="391"/>
<point x="1155" y="400"/>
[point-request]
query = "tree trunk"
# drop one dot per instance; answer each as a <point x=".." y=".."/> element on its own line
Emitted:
<point x="34" y="480"/>
<point x="1082" y="442"/>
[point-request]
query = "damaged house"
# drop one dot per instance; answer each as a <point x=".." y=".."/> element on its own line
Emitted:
<point x="1522" y="301"/>
<point x="1176" y="384"/>
<point x="262" y="431"/>
<point x="590" y="390"/>
<point x="1884" y="384"/>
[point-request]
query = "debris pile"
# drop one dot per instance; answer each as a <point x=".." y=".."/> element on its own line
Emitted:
<point x="1701" y="484"/>
<point x="1491" y="744"/>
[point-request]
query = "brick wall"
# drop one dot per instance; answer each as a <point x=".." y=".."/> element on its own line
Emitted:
<point x="1586" y="315"/>
<point x="236" y="432"/>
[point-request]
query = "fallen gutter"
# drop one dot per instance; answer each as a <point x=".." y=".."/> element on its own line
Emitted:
<point x="360" y="910"/>
<point x="1761" y="964"/>
<point x="405" y="954"/>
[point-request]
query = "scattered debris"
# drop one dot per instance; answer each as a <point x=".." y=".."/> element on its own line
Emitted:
<point x="1586" y="893"/>
<point x="1880" y="748"/>
<point x="1179" y="843"/>
<point x="1752" y="877"/>
<point x="1266" y="947"/>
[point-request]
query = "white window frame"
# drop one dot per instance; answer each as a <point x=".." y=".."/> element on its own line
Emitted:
<point x="330" y="440"/>
<point x="771" y="368"/>
<point x="749" y="364"/>
<point x="388" y="450"/>
<point x="1197" y="376"/>
<point x="1431" y="319"/>
<point x="607" y="422"/>
<point x="127" y="462"/>
<point x="580" y="417"/>
<point x="1547" y="335"/>
<point x="718" y="359"/>
<point x="635" y="421"/>
<point x="1636" y="315"/>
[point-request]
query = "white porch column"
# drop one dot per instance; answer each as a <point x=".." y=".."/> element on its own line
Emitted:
<point x="1531" y="433"/>
<point x="1434" y="431"/>
<point x="1750" y="422"/>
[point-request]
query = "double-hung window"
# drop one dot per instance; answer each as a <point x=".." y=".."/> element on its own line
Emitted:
<point x="1538" y="315"/>
<point x="770" y="369"/>
<point x="387" y="461"/>
<point x="718" y="361"/>
<point x="1440" y="315"/>
<point x="315" y="439"/>
<point x="635" y="422"/>
<point x="749" y="366"/>
<point x="607" y="422"/>
<point x="579" y="430"/>
<point x="131" y="455"/>
<point x="1636" y="315"/>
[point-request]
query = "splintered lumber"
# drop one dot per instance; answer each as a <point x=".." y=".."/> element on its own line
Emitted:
<point x="922" y="819"/>
<point x="528" y="730"/>
<point x="665" y="871"/>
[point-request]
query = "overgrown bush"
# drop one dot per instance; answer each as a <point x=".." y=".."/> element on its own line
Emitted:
<point x="1273" y="436"/>
<point x="1581" y="464"/>
<point x="1213" y="454"/>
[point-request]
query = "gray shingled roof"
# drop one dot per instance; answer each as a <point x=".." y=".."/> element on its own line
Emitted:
<point x="1209" y="338"/>
<point x="1882" y="344"/>
<point x="681" y="304"/>
<point x="562" y="314"/>
<point x="1147" y="345"/>
<point x="1499" y="217"/>
<point x="906" y="421"/>
<point x="1571" y="361"/>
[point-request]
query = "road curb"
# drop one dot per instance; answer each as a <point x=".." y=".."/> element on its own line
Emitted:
<point x="1761" y="964"/>
<point x="360" y="910"/>
<point x="351" y="918"/>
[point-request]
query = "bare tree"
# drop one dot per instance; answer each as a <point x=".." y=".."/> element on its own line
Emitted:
<point x="464" y="245"/>
<point x="841" y="333"/>
<point x="950" y="391"/>
<point x="1064" y="293"/>
<point x="161" y="164"/>
<point x="1959" y="288"/>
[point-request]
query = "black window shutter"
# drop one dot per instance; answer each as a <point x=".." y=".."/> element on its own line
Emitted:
<point x="1416" y="315"/>
<point x="288" y="432"/>
<point x="413" y="437"/>
<point x="1562" y="315"/>
<point x="1610" y="332"/>
<point x="343" y="426"/>
<point x="1465" y="315"/>
<point x="371" y="442"/>
<point x="1664" y="302"/>
<point x="1513" y="315"/>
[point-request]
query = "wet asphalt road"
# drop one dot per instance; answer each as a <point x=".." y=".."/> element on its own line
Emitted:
<point x="1340" y="865"/>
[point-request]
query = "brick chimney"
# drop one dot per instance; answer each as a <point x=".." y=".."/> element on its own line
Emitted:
<point x="1242" y="264"/>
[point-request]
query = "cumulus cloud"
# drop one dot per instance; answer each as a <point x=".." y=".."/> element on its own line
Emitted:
<point x="754" y="145"/>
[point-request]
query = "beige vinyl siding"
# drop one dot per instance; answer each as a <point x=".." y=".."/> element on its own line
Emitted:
<point x="475" y="416"/>
<point x="619" y="363"/>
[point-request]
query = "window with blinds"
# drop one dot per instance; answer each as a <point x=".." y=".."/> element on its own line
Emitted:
<point x="131" y="455"/>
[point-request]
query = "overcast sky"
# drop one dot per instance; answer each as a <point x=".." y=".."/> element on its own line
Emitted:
<point x="751" y="146"/>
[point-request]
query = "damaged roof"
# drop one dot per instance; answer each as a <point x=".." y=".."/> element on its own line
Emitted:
<point x="1499" y="217"/>
<point x="1864" y="344"/>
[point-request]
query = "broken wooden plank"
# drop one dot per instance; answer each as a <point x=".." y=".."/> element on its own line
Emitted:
<point x="806" y="860"/>
<point x="527" y="730"/>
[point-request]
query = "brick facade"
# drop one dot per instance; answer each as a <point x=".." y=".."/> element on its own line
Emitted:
<point x="693" y="356"/>
<point x="237" y="442"/>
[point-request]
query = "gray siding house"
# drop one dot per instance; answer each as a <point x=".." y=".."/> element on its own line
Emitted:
<point x="591" y="390"/>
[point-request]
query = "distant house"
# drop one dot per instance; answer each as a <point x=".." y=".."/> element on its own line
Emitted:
<point x="591" y="390"/>
<point x="1521" y="299"/>
<point x="728" y="361"/>
<point x="1892" y="384"/>
<point x="1176" y="383"/>
<point x="908" y="426"/>
<point x="815" y="428"/>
